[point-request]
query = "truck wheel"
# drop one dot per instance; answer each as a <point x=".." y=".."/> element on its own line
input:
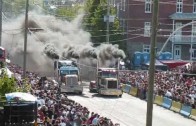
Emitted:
<point x="80" y="93"/>
<point x="120" y="95"/>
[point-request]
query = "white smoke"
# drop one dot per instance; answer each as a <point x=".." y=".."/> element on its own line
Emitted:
<point x="53" y="38"/>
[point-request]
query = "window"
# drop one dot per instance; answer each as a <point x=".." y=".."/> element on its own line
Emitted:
<point x="121" y="4"/>
<point x="193" y="53"/>
<point x="148" y="6"/>
<point x="194" y="6"/>
<point x="124" y="3"/>
<point x="194" y="29"/>
<point x="179" y="5"/>
<point x="146" y="48"/>
<point x="147" y="29"/>
<point x="118" y="9"/>
<point x="111" y="2"/>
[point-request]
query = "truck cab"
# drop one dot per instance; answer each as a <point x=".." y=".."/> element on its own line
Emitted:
<point x="109" y="86"/>
<point x="70" y="80"/>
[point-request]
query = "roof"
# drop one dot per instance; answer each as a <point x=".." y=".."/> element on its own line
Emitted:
<point x="183" y="16"/>
<point x="157" y="63"/>
<point x="107" y="69"/>
<point x="174" y="63"/>
<point x="111" y="79"/>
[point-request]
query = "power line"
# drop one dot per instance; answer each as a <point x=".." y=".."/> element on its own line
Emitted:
<point x="119" y="40"/>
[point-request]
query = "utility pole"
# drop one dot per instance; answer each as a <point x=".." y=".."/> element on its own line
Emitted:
<point x="25" y="39"/>
<point x="108" y="23"/>
<point x="151" y="74"/>
<point x="1" y="5"/>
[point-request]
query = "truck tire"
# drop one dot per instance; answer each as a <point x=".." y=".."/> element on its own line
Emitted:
<point x="80" y="93"/>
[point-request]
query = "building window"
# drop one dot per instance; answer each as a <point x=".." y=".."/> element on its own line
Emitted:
<point x="194" y="6"/>
<point x="148" y="6"/>
<point x="194" y="29"/>
<point x="112" y="2"/>
<point x="124" y="5"/>
<point x="146" y="48"/>
<point x="147" y="29"/>
<point x="121" y="4"/>
<point x="179" y="5"/>
<point x="118" y="9"/>
<point x="193" y="53"/>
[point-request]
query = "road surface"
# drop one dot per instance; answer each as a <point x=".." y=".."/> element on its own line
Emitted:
<point x="129" y="110"/>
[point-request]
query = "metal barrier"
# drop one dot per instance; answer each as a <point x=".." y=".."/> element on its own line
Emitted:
<point x="185" y="110"/>
<point x="158" y="100"/>
<point x="127" y="88"/>
<point x="123" y="86"/>
<point x="176" y="106"/>
<point x="133" y="91"/>
<point x="167" y="102"/>
<point x="193" y="114"/>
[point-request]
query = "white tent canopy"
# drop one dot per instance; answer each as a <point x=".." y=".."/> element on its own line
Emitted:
<point x="22" y="96"/>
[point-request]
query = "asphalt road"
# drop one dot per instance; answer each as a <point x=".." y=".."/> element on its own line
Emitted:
<point x="129" y="110"/>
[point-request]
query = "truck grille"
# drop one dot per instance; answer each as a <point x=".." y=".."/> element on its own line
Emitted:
<point x="112" y="84"/>
<point x="72" y="80"/>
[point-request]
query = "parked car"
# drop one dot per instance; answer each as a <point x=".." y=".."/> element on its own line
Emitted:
<point x="93" y="86"/>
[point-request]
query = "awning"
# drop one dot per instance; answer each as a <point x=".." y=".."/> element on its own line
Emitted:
<point x="174" y="63"/>
<point x="157" y="63"/>
<point x="183" y="16"/>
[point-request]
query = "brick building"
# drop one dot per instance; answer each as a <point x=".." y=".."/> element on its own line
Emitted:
<point x="173" y="14"/>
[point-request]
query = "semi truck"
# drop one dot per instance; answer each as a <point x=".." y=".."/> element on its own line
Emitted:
<point x="108" y="82"/>
<point x="68" y="76"/>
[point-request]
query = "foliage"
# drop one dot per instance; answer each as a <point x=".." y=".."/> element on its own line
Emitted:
<point x="94" y="22"/>
<point x="68" y="12"/>
<point x="16" y="7"/>
<point x="7" y="85"/>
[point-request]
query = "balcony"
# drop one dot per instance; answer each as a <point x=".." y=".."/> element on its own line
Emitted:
<point x="185" y="39"/>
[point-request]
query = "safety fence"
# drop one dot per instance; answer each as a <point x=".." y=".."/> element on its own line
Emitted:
<point x="183" y="109"/>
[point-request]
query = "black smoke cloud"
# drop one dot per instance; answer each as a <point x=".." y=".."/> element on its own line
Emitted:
<point x="52" y="39"/>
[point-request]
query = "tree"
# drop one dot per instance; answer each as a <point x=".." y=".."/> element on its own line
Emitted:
<point x="15" y="7"/>
<point x="94" y="22"/>
<point x="68" y="12"/>
<point x="7" y="85"/>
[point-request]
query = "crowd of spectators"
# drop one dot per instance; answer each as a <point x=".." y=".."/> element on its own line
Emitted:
<point x="176" y="84"/>
<point x="59" y="110"/>
<point x="56" y="109"/>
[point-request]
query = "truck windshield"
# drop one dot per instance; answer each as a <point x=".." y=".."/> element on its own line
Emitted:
<point x="69" y="72"/>
<point x="64" y="72"/>
<point x="109" y="75"/>
<point x="73" y="72"/>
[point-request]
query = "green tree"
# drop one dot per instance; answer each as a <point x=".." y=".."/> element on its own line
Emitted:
<point x="7" y="85"/>
<point x="16" y="7"/>
<point x="94" y="22"/>
<point x="68" y="12"/>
